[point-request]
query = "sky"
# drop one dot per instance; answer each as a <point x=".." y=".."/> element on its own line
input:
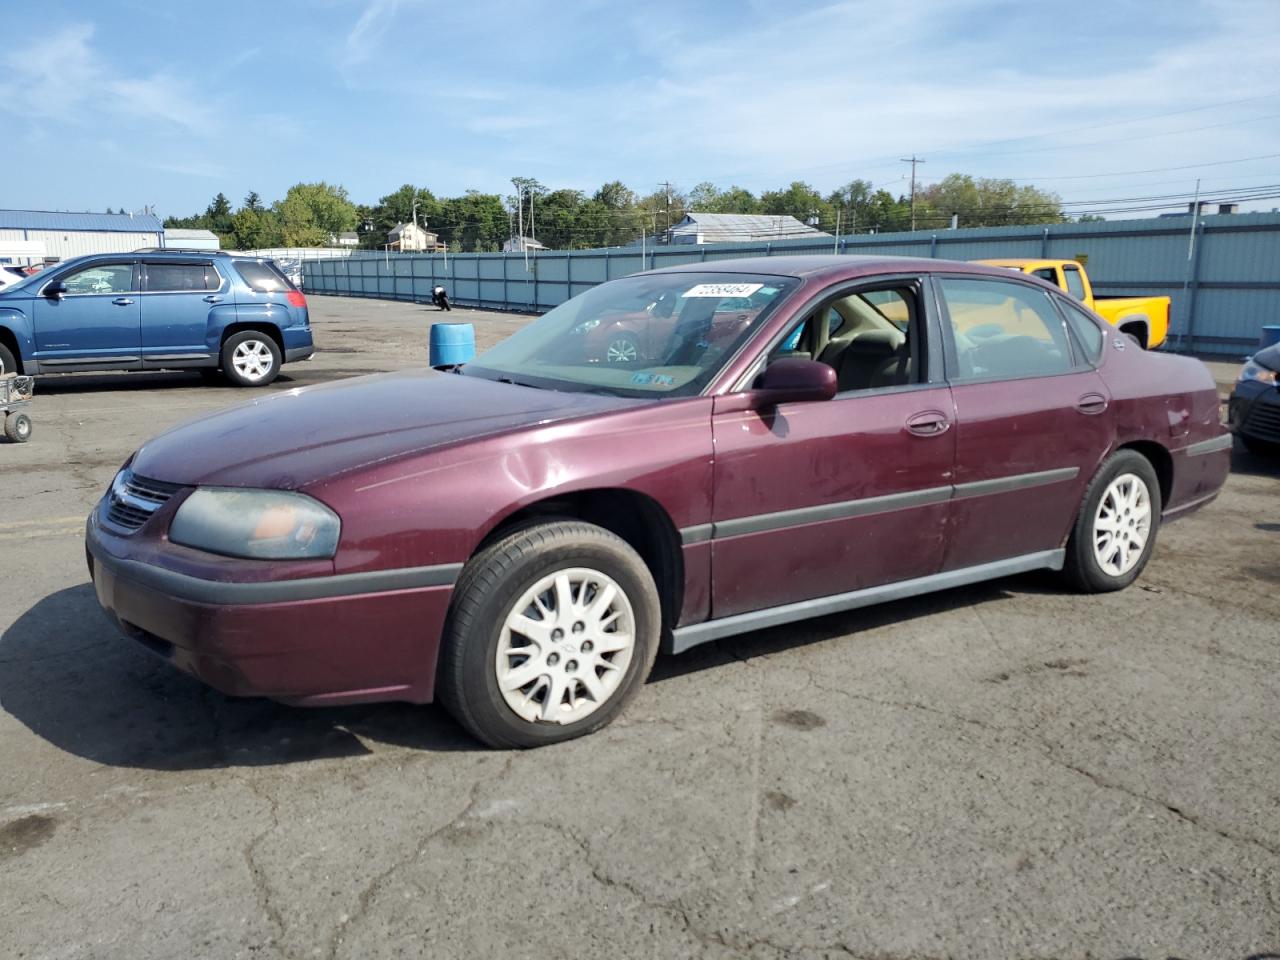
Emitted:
<point x="132" y="103"/>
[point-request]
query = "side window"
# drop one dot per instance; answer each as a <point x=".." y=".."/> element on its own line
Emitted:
<point x="1004" y="330"/>
<point x="1085" y="327"/>
<point x="262" y="278"/>
<point x="175" y="277"/>
<point x="101" y="278"/>
<point x="212" y="279"/>
<point x="1075" y="286"/>
<point x="869" y="338"/>
<point x="1046" y="273"/>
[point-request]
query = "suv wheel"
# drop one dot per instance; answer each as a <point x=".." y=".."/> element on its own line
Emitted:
<point x="7" y="362"/>
<point x="250" y="359"/>
<point x="553" y="629"/>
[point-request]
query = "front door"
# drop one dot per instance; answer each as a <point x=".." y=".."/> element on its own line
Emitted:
<point x="822" y="498"/>
<point x="1032" y="420"/>
<point x="96" y="321"/>
<point x="176" y="302"/>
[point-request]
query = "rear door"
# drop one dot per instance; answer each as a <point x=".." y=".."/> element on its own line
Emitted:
<point x="1032" y="419"/>
<point x="95" y="322"/>
<point x="821" y="498"/>
<point x="177" y="297"/>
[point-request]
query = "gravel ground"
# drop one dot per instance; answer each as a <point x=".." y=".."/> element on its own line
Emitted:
<point x="1007" y="770"/>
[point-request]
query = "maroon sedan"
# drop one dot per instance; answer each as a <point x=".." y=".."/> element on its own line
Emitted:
<point x="519" y="539"/>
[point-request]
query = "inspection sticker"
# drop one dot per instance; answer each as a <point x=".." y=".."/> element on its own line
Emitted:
<point x="723" y="290"/>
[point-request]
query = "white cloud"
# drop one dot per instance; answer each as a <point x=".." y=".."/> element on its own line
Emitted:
<point x="369" y="29"/>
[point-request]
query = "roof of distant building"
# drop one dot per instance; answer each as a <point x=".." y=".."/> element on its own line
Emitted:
<point x="726" y="227"/>
<point x="182" y="233"/>
<point x="103" y="222"/>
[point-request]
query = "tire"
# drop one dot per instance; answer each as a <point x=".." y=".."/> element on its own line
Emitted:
<point x="250" y="359"/>
<point x="497" y="587"/>
<point x="7" y="362"/>
<point x="623" y="350"/>
<point x="17" y="427"/>
<point x="1260" y="448"/>
<point x="1096" y="563"/>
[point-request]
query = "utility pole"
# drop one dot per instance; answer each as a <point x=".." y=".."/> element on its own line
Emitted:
<point x="913" y="160"/>
<point x="667" y="187"/>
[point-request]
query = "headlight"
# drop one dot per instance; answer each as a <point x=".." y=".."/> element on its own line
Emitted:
<point x="586" y="326"/>
<point x="1256" y="371"/>
<point x="258" y="524"/>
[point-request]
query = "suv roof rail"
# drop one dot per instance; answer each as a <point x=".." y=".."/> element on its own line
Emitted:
<point x="178" y="250"/>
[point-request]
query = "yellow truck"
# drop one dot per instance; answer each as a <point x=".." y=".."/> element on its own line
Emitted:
<point x="1146" y="319"/>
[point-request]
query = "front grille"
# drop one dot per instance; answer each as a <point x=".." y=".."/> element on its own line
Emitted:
<point x="1263" y="420"/>
<point x="133" y="499"/>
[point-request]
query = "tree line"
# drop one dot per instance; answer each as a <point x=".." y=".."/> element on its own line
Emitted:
<point x="314" y="214"/>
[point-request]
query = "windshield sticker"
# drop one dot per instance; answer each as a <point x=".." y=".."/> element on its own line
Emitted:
<point x="642" y="378"/>
<point x="723" y="290"/>
<point x="663" y="380"/>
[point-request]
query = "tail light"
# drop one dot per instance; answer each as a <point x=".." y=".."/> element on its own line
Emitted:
<point x="297" y="299"/>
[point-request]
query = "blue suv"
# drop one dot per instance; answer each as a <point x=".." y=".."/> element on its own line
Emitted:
<point x="156" y="310"/>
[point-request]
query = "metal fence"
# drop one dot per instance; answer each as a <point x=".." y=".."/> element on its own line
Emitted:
<point x="1223" y="277"/>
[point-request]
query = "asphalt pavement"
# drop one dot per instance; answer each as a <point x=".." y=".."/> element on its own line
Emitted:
<point x="1005" y="770"/>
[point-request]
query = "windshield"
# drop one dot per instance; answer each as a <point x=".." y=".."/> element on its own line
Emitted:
<point x="27" y="282"/>
<point x="663" y="333"/>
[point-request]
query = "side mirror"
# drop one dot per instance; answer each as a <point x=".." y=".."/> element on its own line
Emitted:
<point x="794" y="380"/>
<point x="56" y="290"/>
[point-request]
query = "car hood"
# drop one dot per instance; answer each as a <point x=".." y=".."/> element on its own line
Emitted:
<point x="297" y="437"/>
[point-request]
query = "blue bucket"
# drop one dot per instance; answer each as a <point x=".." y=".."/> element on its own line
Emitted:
<point x="452" y="344"/>
<point x="1270" y="335"/>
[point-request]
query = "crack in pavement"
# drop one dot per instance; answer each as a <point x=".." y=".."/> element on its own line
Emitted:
<point x="366" y="896"/>
<point x="1051" y="752"/>
<point x="261" y="888"/>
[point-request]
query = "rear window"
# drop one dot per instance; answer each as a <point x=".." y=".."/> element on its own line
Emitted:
<point x="181" y="277"/>
<point x="1075" y="286"/>
<point x="263" y="277"/>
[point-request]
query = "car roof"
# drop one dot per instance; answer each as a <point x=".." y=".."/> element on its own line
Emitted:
<point x="830" y="266"/>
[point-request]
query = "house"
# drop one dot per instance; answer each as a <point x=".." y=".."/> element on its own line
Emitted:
<point x="407" y="237"/>
<point x="348" y="238"/>
<point x="522" y="245"/>
<point x="740" y="227"/>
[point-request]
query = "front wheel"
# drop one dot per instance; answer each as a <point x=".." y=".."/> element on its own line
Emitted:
<point x="1115" y="531"/>
<point x="7" y="362"/>
<point x="553" y="629"/>
<point x="250" y="359"/>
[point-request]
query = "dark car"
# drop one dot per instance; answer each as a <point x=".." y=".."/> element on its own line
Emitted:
<point x="1254" y="409"/>
<point x="156" y="310"/>
<point x="519" y="539"/>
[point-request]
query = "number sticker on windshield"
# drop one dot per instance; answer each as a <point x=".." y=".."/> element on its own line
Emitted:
<point x="723" y="290"/>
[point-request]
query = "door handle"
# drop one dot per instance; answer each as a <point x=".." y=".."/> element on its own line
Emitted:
<point x="1092" y="403"/>
<point x="212" y="299"/>
<point x="928" y="423"/>
<point x="122" y="301"/>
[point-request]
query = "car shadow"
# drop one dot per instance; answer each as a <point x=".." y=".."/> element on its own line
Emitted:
<point x="793" y="636"/>
<point x="1252" y="464"/>
<point x="72" y="679"/>
<point x="68" y="384"/>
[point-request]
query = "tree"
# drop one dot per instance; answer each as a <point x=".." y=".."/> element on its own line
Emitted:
<point x="985" y="203"/>
<point x="252" y="229"/>
<point x="218" y="214"/>
<point x="312" y="212"/>
<point x="708" y="198"/>
<point x="398" y="207"/>
<point x="799" y="200"/>
<point x="252" y="201"/>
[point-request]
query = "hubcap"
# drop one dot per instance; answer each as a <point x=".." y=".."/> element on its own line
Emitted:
<point x="565" y="646"/>
<point x="252" y="359"/>
<point x="1122" y="524"/>
<point x="622" y="350"/>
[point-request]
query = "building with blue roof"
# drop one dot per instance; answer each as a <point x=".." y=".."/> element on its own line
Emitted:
<point x="27" y="235"/>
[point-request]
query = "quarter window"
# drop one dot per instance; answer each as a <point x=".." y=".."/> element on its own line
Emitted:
<point x="1085" y="328"/>
<point x="1004" y="330"/>
<point x="1075" y="285"/>
<point x="262" y="278"/>
<point x="103" y="278"/>
<point x="180" y="278"/>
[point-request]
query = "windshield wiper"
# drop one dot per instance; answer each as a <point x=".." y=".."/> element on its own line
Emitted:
<point x="516" y="383"/>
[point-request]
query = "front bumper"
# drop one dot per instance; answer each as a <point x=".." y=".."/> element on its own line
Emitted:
<point x="312" y="641"/>
<point x="1254" y="411"/>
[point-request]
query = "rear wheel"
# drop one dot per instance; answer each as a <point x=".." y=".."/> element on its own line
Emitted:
<point x="250" y="359"/>
<point x="553" y="629"/>
<point x="1115" y="531"/>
